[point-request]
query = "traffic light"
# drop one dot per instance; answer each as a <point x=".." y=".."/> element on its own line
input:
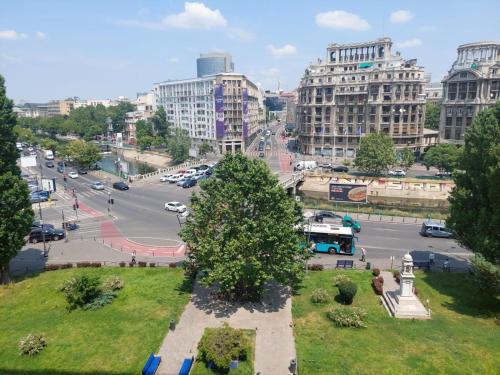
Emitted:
<point x="74" y="207"/>
<point x="111" y="201"/>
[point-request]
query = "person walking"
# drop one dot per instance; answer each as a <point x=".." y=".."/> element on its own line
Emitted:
<point x="431" y="258"/>
<point x="363" y="254"/>
<point x="446" y="265"/>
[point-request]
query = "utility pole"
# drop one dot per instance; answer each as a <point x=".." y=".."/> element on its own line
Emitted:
<point x="75" y="205"/>
<point x="64" y="226"/>
<point x="109" y="203"/>
<point x="40" y="213"/>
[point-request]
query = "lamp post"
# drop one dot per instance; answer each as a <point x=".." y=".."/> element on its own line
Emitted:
<point x="109" y="203"/>
<point x="45" y="254"/>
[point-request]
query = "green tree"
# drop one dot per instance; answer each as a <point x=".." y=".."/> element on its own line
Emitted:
<point x="145" y="141"/>
<point x="16" y="214"/>
<point x="24" y="134"/>
<point x="475" y="202"/>
<point x="376" y="153"/>
<point x="432" y="115"/>
<point x="118" y="115"/>
<point x="406" y="158"/>
<point x="443" y="156"/>
<point x="205" y="148"/>
<point x="160" y="125"/>
<point x="241" y="231"/>
<point x="49" y="144"/>
<point x="178" y="146"/>
<point x="85" y="154"/>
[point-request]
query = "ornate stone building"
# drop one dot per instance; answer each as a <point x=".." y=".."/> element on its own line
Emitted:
<point x="358" y="89"/>
<point x="472" y="84"/>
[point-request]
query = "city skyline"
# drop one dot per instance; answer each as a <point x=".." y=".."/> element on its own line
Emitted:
<point x="91" y="50"/>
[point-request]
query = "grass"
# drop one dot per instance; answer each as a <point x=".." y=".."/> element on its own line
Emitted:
<point x="461" y="338"/>
<point x="115" y="339"/>
<point x="244" y="367"/>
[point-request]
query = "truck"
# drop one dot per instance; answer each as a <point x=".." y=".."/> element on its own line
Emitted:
<point x="49" y="155"/>
<point x="306" y="164"/>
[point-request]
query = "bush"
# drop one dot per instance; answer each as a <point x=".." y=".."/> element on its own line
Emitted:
<point x="376" y="272"/>
<point x="172" y="265"/>
<point x="320" y="296"/>
<point x="397" y="276"/>
<point x="347" y="290"/>
<point x="80" y="290"/>
<point x="113" y="283"/>
<point x="131" y="264"/>
<point x="66" y="266"/>
<point x="486" y="275"/>
<point x="316" y="267"/>
<point x="343" y="316"/>
<point x="340" y="278"/>
<point x="52" y="267"/>
<point x="378" y="286"/>
<point x="152" y="264"/>
<point x="222" y="345"/>
<point x="31" y="344"/>
<point x="101" y="300"/>
<point x="95" y="264"/>
<point x="142" y="264"/>
<point x="122" y="264"/>
<point x="83" y="264"/>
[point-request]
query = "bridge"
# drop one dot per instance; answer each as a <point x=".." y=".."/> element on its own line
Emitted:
<point x="289" y="182"/>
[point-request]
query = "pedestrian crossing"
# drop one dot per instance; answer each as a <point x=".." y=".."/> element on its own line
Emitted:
<point x="68" y="195"/>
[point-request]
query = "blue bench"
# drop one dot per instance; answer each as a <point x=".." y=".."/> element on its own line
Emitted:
<point x="151" y="365"/>
<point x="345" y="264"/>
<point x="186" y="366"/>
<point x="422" y="264"/>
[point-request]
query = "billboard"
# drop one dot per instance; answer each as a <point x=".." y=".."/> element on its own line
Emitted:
<point x="349" y="193"/>
<point x="244" y="102"/>
<point x="28" y="161"/>
<point x="219" y="110"/>
<point x="49" y="184"/>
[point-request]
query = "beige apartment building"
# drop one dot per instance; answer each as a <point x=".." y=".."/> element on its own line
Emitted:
<point x="60" y="107"/>
<point x="358" y="89"/>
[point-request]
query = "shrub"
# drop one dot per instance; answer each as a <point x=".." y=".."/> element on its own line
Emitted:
<point x="80" y="290"/>
<point x="122" y="264"/>
<point x="377" y="286"/>
<point x="376" y="272"/>
<point x="152" y="264"/>
<point x="142" y="264"/>
<point x="95" y="264"/>
<point x="397" y="276"/>
<point x="131" y="264"/>
<point x="101" y="300"/>
<point x="380" y="279"/>
<point x="340" y="278"/>
<point x="486" y="275"/>
<point x="316" y="267"/>
<point x="113" y="283"/>
<point x="66" y="266"/>
<point x="344" y="316"/>
<point x="320" y="296"/>
<point x="172" y="265"/>
<point x="52" y="267"/>
<point x="222" y="345"/>
<point x="416" y="291"/>
<point x="83" y="264"/>
<point x="347" y="290"/>
<point x="31" y="344"/>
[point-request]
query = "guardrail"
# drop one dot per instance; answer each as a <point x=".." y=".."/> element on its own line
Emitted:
<point x="158" y="172"/>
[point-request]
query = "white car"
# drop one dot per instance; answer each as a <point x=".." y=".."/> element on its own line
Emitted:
<point x="175" y="178"/>
<point x="397" y="173"/>
<point x="72" y="174"/>
<point x="190" y="173"/>
<point x="97" y="185"/>
<point x="175" y="206"/>
<point x="165" y="178"/>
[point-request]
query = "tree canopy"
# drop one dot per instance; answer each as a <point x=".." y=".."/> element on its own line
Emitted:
<point x="443" y="156"/>
<point x="406" y="158"/>
<point x="432" y="115"/>
<point x="475" y="200"/>
<point x="83" y="153"/>
<point x="376" y="153"/>
<point x="178" y="146"/>
<point x="241" y="233"/>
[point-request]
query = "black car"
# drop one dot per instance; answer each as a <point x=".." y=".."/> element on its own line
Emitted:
<point x="60" y="163"/>
<point x="82" y="170"/>
<point x="326" y="215"/>
<point x="38" y="234"/>
<point x="37" y="225"/>
<point x="49" y="164"/>
<point x="340" y="168"/>
<point x="70" y="226"/>
<point x="190" y="182"/>
<point x="120" y="185"/>
<point x="60" y="169"/>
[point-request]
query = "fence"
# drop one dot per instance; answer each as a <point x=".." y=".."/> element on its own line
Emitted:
<point x="167" y="170"/>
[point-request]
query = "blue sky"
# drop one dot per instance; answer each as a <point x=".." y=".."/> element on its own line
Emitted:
<point x="103" y="49"/>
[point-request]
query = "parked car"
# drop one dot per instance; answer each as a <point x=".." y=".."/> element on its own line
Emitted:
<point x="50" y="234"/>
<point x="165" y="177"/>
<point x="326" y="215"/>
<point x="190" y="173"/>
<point x="443" y="175"/>
<point x="397" y="173"/>
<point x="40" y="196"/>
<point x="190" y="182"/>
<point x="73" y="174"/>
<point x="198" y="175"/>
<point x="325" y="165"/>
<point x="261" y="154"/>
<point x="174" y="178"/>
<point x="340" y="168"/>
<point x="82" y="170"/>
<point x="60" y="163"/>
<point x="181" y="181"/>
<point x="49" y="164"/>
<point x="37" y="224"/>
<point x="435" y="229"/>
<point x="97" y="185"/>
<point x="70" y="225"/>
<point x="175" y="207"/>
<point x="120" y="185"/>
<point x="203" y="167"/>
<point x="60" y="169"/>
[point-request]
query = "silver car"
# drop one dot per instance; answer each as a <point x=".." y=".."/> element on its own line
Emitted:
<point x="97" y="185"/>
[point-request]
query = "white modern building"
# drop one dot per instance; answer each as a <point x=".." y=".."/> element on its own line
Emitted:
<point x="145" y="108"/>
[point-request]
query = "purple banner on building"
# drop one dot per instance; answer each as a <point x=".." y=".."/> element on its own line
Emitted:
<point x="219" y="111"/>
<point x="244" y="102"/>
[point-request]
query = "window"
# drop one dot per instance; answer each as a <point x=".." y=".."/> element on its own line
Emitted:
<point x="375" y="76"/>
<point x="448" y="121"/>
<point x="463" y="75"/>
<point x="389" y="76"/>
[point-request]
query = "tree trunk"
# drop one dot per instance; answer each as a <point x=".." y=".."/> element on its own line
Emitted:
<point x="4" y="274"/>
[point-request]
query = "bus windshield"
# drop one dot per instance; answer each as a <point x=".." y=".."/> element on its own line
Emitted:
<point x="331" y="239"/>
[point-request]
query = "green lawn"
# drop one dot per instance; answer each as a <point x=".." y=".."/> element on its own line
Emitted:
<point x="113" y="340"/>
<point x="461" y="337"/>
<point x="244" y="367"/>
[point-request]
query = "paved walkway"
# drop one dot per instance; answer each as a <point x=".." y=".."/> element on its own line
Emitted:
<point x="271" y="318"/>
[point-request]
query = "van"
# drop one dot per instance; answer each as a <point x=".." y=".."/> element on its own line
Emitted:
<point x="49" y="155"/>
<point x="308" y="164"/>
<point x="434" y="229"/>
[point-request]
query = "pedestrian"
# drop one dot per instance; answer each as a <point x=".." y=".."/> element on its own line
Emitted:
<point x="133" y="259"/>
<point x="363" y="254"/>
<point x="446" y="265"/>
<point x="431" y="258"/>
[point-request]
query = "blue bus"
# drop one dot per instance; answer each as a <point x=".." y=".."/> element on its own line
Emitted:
<point x="331" y="239"/>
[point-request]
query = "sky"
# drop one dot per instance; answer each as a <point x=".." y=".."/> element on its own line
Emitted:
<point x="105" y="49"/>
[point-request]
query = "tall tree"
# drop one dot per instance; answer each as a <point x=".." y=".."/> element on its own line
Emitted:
<point x="85" y="154"/>
<point x="178" y="146"/>
<point x="376" y="153"/>
<point x="118" y="114"/>
<point x="432" y="115"/>
<point x="49" y="144"/>
<point x="406" y="158"/>
<point x="475" y="201"/>
<point x="160" y="125"/>
<point x="443" y="156"/>
<point x="204" y="148"/>
<point x="241" y="231"/>
<point x="16" y="214"/>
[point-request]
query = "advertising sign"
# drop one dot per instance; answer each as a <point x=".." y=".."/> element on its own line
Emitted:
<point x="28" y="161"/>
<point x="244" y="102"/>
<point x="49" y="184"/>
<point x="349" y="193"/>
<point x="219" y="110"/>
<point x="119" y="140"/>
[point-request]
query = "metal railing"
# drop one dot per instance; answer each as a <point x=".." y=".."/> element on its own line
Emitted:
<point x="158" y="172"/>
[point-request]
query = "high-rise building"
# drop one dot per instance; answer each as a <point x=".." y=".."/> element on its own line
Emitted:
<point x="60" y="107"/>
<point x="358" y="89"/>
<point x="214" y="63"/>
<point x="472" y="84"/>
<point x="223" y="110"/>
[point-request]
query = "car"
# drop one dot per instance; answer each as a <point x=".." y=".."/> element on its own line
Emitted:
<point x="82" y="170"/>
<point x="175" y="178"/>
<point x="190" y="182"/>
<point x="326" y="215"/>
<point x="432" y="228"/>
<point x="261" y="154"/>
<point x="325" y="165"/>
<point x="198" y="175"/>
<point x="60" y="163"/>
<point x="37" y="224"/>
<point x="175" y="207"/>
<point x="120" y="185"/>
<point x="203" y="167"/>
<point x="39" y="196"/>
<point x="60" y="169"/>
<point x="165" y="177"/>
<point x="181" y="181"/>
<point x="443" y="174"/>
<point x="70" y="225"/>
<point x="340" y="168"/>
<point x="190" y="173"/>
<point x="47" y="234"/>
<point x="397" y="173"/>
<point x="49" y="164"/>
<point x="348" y="221"/>
<point x="73" y="174"/>
<point x="97" y="185"/>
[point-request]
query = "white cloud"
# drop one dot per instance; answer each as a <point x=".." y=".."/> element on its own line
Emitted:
<point x="287" y="49"/>
<point x="40" y="35"/>
<point x="196" y="16"/>
<point x="173" y="60"/>
<point x="415" y="42"/>
<point x="401" y="16"/>
<point x="11" y="35"/>
<point x="339" y="19"/>
<point x="239" y="34"/>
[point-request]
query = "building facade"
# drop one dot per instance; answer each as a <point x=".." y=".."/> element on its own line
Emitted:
<point x="145" y="108"/>
<point x="60" y="107"/>
<point x="222" y="110"/>
<point x="472" y="84"/>
<point x="434" y="92"/>
<point x="209" y="64"/>
<point x="359" y="89"/>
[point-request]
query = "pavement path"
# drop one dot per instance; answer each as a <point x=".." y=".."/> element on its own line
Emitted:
<point x="271" y="318"/>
